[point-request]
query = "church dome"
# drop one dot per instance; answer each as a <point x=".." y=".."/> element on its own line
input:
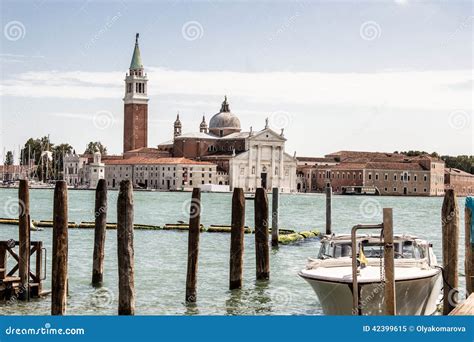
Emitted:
<point x="225" y="120"/>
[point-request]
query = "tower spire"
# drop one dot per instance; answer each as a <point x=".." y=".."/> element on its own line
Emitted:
<point x="136" y="62"/>
<point x="203" y="125"/>
<point x="177" y="126"/>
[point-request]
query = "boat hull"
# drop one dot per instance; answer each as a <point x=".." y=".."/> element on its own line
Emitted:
<point x="416" y="296"/>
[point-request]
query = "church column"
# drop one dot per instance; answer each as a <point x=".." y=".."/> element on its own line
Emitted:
<point x="272" y="177"/>
<point x="258" y="181"/>
<point x="281" y="168"/>
<point x="249" y="174"/>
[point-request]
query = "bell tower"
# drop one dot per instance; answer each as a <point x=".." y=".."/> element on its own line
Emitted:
<point x="135" y="127"/>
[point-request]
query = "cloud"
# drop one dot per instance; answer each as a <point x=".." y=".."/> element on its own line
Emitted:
<point x="430" y="90"/>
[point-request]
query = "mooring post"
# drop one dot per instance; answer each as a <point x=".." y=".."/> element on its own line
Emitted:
<point x="262" y="254"/>
<point x="125" y="252"/>
<point x="469" y="245"/>
<point x="193" y="245"/>
<point x="450" y="231"/>
<point x="237" y="239"/>
<point x="328" y="209"/>
<point x="275" y="194"/>
<point x="99" y="232"/>
<point x="24" y="239"/>
<point x="59" y="277"/>
<point x="389" y="263"/>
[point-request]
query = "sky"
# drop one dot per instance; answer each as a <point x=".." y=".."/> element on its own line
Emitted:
<point x="335" y="75"/>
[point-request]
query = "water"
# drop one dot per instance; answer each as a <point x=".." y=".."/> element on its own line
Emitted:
<point x="160" y="256"/>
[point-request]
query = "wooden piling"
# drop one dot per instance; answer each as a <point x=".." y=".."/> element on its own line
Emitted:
<point x="450" y="231"/>
<point x="389" y="263"/>
<point x="125" y="252"/>
<point x="262" y="255"/>
<point x="59" y="276"/>
<point x="193" y="245"/>
<point x="328" y="209"/>
<point x="99" y="233"/>
<point x="469" y="245"/>
<point x="237" y="239"/>
<point x="24" y="239"/>
<point x="275" y="194"/>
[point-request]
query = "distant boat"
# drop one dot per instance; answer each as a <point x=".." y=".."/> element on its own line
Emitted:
<point x="418" y="279"/>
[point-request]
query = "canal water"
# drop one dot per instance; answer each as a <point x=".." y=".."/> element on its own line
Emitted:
<point x="160" y="256"/>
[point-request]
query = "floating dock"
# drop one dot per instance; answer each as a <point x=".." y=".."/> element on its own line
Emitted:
<point x="464" y="309"/>
<point x="286" y="236"/>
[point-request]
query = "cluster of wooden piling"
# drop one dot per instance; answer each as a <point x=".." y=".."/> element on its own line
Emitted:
<point x="450" y="219"/>
<point x="125" y="246"/>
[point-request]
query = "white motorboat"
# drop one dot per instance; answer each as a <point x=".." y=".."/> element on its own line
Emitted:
<point x="418" y="278"/>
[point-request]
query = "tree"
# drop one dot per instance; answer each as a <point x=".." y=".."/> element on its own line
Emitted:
<point x="59" y="151"/>
<point x="95" y="146"/>
<point x="9" y="158"/>
<point x="47" y="156"/>
<point x="462" y="162"/>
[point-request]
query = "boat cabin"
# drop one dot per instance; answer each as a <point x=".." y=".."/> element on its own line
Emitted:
<point x="405" y="247"/>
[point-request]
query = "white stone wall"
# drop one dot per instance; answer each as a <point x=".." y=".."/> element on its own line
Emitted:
<point x="265" y="164"/>
<point x="161" y="176"/>
<point x="74" y="170"/>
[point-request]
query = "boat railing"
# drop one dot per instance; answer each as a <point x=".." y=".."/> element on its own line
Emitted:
<point x="356" y="309"/>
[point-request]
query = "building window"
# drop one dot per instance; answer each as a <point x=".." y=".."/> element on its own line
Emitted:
<point x="190" y="182"/>
<point x="425" y="178"/>
<point x="202" y="182"/>
<point x="394" y="177"/>
<point x="386" y="177"/>
<point x="253" y="170"/>
<point x="385" y="189"/>
<point x="414" y="177"/>
<point x="370" y="176"/>
<point x="414" y="189"/>
<point x="424" y="190"/>
<point x="360" y="175"/>
<point x="376" y="176"/>
<point x="394" y="189"/>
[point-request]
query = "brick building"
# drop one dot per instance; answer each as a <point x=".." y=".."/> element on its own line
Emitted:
<point x="461" y="181"/>
<point x="376" y="173"/>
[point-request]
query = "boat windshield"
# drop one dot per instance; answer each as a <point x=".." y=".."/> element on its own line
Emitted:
<point x="403" y="249"/>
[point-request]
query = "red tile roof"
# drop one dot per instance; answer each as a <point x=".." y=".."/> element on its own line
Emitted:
<point x="148" y="161"/>
<point x="453" y="171"/>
